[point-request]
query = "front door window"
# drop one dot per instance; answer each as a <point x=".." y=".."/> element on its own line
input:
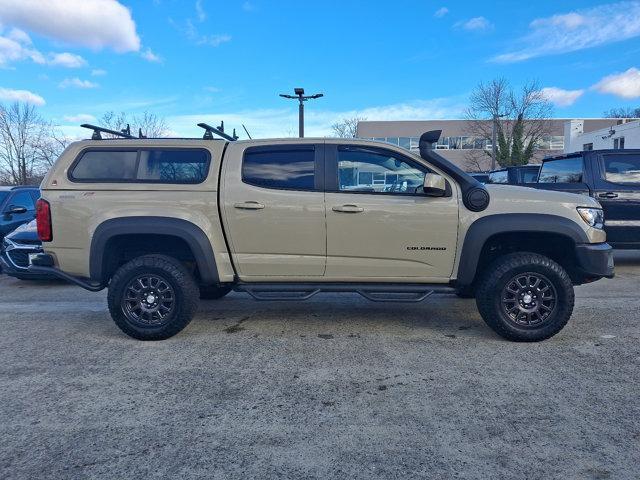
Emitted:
<point x="375" y="171"/>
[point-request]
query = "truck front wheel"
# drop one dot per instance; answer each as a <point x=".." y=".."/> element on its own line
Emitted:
<point x="152" y="297"/>
<point x="525" y="297"/>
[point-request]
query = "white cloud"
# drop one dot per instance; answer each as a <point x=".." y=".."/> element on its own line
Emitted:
<point x="77" y="83"/>
<point x="68" y="60"/>
<point x="475" y="24"/>
<point x="272" y="123"/>
<point x="202" y="15"/>
<point x="8" y="95"/>
<point x="149" y="56"/>
<point x="441" y="12"/>
<point x="577" y="30"/>
<point x="192" y="33"/>
<point x="80" y="118"/>
<point x="16" y="46"/>
<point x="213" y="40"/>
<point x="96" y="24"/>
<point x="560" y="97"/>
<point x="625" y="84"/>
<point x="98" y="72"/>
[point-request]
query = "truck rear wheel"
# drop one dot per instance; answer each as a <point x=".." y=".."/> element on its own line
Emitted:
<point x="525" y="297"/>
<point x="152" y="297"/>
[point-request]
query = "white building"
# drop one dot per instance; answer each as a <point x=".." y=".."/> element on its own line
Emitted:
<point x="620" y="134"/>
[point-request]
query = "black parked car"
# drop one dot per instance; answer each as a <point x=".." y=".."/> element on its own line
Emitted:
<point x="15" y="250"/>
<point x="610" y="176"/>
<point x="515" y="175"/>
<point x="17" y="206"/>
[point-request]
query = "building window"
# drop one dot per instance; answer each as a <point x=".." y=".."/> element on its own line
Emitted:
<point x="618" y="143"/>
<point x="587" y="146"/>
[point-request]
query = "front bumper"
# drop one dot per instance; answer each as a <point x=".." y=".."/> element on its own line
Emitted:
<point x="595" y="260"/>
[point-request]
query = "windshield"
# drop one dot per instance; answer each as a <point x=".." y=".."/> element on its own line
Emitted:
<point x="3" y="195"/>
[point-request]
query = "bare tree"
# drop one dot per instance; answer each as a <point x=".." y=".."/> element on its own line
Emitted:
<point x="22" y="133"/>
<point x="150" y="124"/>
<point x="51" y="147"/>
<point x="523" y="119"/>
<point x="623" y="112"/>
<point x="347" y="127"/>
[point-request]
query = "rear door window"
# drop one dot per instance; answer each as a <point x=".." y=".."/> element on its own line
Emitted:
<point x="283" y="167"/>
<point x="566" y="170"/>
<point x="622" y="168"/>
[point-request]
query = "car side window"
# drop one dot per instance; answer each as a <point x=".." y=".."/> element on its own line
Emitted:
<point x="529" y="176"/>
<point x="282" y="167"/>
<point x="151" y="165"/>
<point x="106" y="165"/>
<point x="500" y="176"/>
<point x="566" y="170"/>
<point x="23" y="199"/>
<point x="622" y="168"/>
<point x="362" y="169"/>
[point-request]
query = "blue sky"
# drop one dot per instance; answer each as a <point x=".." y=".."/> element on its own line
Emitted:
<point x="207" y="60"/>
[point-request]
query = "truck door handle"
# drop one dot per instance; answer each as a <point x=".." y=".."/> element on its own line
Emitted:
<point x="608" y="195"/>
<point x="249" y="205"/>
<point x="348" y="209"/>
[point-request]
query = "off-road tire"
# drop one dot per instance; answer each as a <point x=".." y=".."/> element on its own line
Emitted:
<point x="183" y="287"/>
<point x="489" y="296"/>
<point x="211" y="292"/>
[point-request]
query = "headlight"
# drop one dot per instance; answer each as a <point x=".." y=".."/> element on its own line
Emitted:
<point x="593" y="216"/>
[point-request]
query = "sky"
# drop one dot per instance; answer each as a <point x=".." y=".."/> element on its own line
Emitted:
<point x="207" y="60"/>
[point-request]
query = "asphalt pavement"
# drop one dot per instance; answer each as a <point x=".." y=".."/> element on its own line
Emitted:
<point x="335" y="387"/>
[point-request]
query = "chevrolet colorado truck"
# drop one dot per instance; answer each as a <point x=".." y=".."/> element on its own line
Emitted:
<point x="164" y="222"/>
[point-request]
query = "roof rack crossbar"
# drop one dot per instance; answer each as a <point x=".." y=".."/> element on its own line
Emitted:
<point x="125" y="133"/>
<point x="209" y="131"/>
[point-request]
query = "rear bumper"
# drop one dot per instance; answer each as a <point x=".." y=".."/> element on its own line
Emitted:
<point x="595" y="260"/>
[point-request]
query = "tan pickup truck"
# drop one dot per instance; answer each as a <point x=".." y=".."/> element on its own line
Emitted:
<point x="164" y="222"/>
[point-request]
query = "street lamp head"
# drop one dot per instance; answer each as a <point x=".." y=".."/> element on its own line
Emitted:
<point x="284" y="95"/>
<point x="299" y="91"/>
<point x="317" y="95"/>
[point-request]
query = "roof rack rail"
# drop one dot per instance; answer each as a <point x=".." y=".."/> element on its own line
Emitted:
<point x="209" y="131"/>
<point x="124" y="133"/>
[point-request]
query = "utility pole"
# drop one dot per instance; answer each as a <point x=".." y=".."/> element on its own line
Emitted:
<point x="301" y="97"/>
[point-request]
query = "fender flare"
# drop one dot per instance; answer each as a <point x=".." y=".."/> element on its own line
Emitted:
<point x="484" y="228"/>
<point x="193" y="235"/>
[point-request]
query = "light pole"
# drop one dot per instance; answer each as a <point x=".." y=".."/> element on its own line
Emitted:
<point x="301" y="97"/>
<point x="494" y="147"/>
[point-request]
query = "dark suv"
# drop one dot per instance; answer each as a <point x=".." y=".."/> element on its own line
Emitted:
<point x="17" y="206"/>
<point x="610" y="176"/>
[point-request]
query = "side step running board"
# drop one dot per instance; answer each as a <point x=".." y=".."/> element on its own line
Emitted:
<point x="374" y="292"/>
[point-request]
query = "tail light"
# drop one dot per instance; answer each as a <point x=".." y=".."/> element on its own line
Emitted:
<point x="43" y="220"/>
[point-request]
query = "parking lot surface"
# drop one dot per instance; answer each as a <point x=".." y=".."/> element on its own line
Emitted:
<point x="335" y="387"/>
